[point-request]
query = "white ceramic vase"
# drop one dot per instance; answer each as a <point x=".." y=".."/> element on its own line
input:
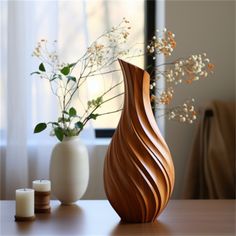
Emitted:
<point x="69" y="170"/>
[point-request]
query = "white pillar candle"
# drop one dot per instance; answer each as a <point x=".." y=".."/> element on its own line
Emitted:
<point x="42" y="185"/>
<point x="24" y="202"/>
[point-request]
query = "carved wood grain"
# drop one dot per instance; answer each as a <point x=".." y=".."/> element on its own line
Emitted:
<point x="138" y="170"/>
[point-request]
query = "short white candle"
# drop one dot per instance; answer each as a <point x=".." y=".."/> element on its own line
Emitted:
<point x="42" y="185"/>
<point x="25" y="202"/>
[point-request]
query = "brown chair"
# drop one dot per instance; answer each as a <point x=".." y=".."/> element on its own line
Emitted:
<point x="211" y="168"/>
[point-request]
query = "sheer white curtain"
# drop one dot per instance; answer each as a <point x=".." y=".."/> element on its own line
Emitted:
<point x="25" y="100"/>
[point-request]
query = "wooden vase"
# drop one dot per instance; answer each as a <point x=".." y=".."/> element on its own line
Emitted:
<point x="138" y="170"/>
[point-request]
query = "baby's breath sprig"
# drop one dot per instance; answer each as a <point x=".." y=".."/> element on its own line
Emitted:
<point x="182" y="70"/>
<point x="187" y="70"/>
<point x="162" y="43"/>
<point x="184" y="113"/>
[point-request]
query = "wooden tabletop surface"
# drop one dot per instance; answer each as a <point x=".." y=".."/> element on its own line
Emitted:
<point x="96" y="217"/>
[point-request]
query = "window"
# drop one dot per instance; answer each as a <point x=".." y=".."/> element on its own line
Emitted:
<point x="110" y="13"/>
<point x="75" y="24"/>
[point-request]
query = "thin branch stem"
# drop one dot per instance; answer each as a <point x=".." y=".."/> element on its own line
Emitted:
<point x="110" y="112"/>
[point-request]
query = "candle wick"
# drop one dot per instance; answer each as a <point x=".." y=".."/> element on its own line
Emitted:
<point x="24" y="189"/>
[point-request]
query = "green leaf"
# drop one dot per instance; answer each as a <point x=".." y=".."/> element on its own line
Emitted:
<point x="72" y="112"/>
<point x="93" y="116"/>
<point x="40" y="127"/>
<point x="36" y="72"/>
<point x="55" y="76"/>
<point x="65" y="70"/>
<point x="55" y="123"/>
<point x="71" y="78"/>
<point x="89" y="103"/>
<point x="61" y="119"/>
<point x="72" y="65"/>
<point x="79" y="125"/>
<point x="65" y="112"/>
<point x="98" y="101"/>
<point x="41" y="67"/>
<point x="59" y="77"/>
<point x="59" y="133"/>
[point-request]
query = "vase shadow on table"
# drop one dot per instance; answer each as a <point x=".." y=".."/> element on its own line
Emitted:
<point x="155" y="228"/>
<point x="66" y="217"/>
<point x="71" y="212"/>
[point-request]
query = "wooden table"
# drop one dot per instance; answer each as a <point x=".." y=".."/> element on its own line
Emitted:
<point x="181" y="217"/>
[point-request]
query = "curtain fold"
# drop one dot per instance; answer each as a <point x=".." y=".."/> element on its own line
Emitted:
<point x="16" y="148"/>
<point x="211" y="168"/>
<point x="27" y="100"/>
<point x="21" y="106"/>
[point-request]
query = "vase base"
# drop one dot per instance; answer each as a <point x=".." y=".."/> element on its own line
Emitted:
<point x="124" y="222"/>
<point x="67" y="203"/>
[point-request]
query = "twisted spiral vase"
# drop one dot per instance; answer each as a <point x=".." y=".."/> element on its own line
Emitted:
<point x="138" y="170"/>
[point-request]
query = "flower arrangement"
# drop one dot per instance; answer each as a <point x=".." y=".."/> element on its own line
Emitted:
<point x="98" y="59"/>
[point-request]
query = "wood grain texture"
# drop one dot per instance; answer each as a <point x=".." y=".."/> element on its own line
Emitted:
<point x="90" y="218"/>
<point x="138" y="169"/>
<point x="42" y="202"/>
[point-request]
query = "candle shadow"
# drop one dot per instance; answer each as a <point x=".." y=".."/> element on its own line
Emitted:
<point x="155" y="228"/>
<point x="24" y="227"/>
<point x="43" y="216"/>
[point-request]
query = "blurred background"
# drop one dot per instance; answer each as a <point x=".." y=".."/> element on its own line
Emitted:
<point x="199" y="26"/>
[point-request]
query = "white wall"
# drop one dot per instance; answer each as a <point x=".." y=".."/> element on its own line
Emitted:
<point x="201" y="26"/>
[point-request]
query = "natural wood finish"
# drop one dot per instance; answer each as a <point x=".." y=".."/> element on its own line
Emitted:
<point x="42" y="202"/>
<point x="138" y="170"/>
<point x="21" y="218"/>
<point x="181" y="218"/>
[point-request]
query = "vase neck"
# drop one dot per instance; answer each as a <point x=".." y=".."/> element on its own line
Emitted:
<point x="66" y="139"/>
